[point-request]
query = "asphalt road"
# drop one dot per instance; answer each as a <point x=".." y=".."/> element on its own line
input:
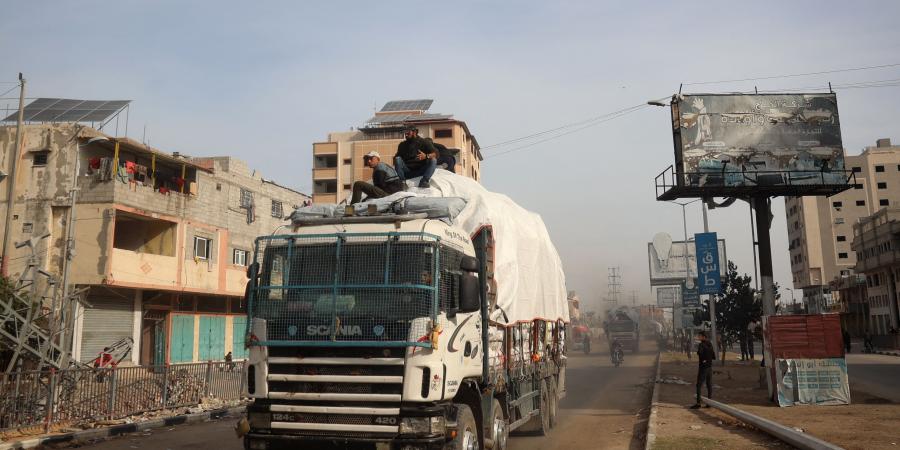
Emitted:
<point x="875" y="374"/>
<point x="605" y="407"/>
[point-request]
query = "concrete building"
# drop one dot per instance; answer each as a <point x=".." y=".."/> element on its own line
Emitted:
<point x="820" y="228"/>
<point x="161" y="240"/>
<point x="876" y="241"/>
<point x="337" y="162"/>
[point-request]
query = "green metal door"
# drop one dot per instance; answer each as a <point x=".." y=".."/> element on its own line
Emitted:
<point x="182" y="344"/>
<point x="159" y="343"/>
<point x="212" y="338"/>
<point x="238" y="330"/>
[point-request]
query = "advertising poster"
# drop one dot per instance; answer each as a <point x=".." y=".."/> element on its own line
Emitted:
<point x="812" y="381"/>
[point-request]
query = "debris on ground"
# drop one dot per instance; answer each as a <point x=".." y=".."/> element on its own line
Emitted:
<point x="671" y="380"/>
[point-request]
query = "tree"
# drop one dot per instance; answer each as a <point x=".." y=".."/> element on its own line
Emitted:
<point x="736" y="307"/>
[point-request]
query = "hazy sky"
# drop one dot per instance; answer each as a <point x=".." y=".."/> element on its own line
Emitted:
<point x="263" y="80"/>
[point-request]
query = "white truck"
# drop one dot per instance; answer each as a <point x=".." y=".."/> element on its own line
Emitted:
<point x="398" y="331"/>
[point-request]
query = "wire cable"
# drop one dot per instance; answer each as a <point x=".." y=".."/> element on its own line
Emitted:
<point x="793" y="75"/>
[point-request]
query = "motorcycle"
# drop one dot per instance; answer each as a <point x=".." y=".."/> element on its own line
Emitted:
<point x="617" y="354"/>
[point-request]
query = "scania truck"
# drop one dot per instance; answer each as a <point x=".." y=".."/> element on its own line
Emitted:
<point x="385" y="332"/>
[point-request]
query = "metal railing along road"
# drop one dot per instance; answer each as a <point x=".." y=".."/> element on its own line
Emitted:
<point x="73" y="396"/>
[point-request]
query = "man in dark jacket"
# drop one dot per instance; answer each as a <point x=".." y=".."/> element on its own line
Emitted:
<point x="706" y="355"/>
<point x="416" y="157"/>
<point x="445" y="159"/>
<point x="385" y="180"/>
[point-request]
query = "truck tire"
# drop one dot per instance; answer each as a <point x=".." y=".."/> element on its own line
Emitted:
<point x="540" y="424"/>
<point x="553" y="407"/>
<point x="466" y="430"/>
<point x="499" y="428"/>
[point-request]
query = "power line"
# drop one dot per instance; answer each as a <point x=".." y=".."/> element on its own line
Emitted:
<point x="772" y="77"/>
<point x="592" y="124"/>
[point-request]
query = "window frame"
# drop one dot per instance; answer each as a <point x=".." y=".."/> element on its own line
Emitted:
<point x="447" y="131"/>
<point x="207" y="249"/>
<point x="279" y="207"/>
<point x="884" y="202"/>
<point x="234" y="257"/>
<point x="44" y="155"/>
<point x="881" y="185"/>
<point x="879" y="169"/>
<point x="246" y="199"/>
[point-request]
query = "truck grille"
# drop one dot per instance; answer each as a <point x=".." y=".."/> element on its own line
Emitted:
<point x="348" y="393"/>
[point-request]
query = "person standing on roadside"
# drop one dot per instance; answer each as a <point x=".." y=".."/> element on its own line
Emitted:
<point x="705" y="355"/>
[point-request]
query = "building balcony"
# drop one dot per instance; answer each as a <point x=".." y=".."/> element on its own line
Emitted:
<point x="325" y="174"/>
<point x="136" y="195"/>
<point x="325" y="148"/>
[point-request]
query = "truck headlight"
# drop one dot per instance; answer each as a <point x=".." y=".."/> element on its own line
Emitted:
<point x="438" y="425"/>
<point x="415" y="425"/>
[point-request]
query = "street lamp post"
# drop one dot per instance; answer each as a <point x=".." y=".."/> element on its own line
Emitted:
<point x="793" y="300"/>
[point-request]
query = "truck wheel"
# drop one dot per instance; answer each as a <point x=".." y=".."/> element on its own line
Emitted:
<point x="499" y="427"/>
<point x="539" y="424"/>
<point x="554" y="402"/>
<point x="466" y="430"/>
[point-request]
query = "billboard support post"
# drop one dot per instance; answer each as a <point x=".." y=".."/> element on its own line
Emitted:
<point x="761" y="206"/>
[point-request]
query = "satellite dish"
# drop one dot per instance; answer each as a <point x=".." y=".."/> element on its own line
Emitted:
<point x="662" y="243"/>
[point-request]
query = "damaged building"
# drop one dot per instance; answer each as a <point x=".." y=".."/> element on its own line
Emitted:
<point x="161" y="241"/>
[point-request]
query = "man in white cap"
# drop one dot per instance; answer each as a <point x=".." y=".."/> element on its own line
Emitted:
<point x="385" y="180"/>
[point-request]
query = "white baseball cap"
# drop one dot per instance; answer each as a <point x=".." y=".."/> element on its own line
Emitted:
<point x="372" y="154"/>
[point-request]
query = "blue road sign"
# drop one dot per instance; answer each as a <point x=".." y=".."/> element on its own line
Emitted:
<point x="708" y="263"/>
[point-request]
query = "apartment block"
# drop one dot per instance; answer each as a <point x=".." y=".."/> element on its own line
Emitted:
<point x="337" y="162"/>
<point x="161" y="240"/>
<point x="820" y="229"/>
<point x="876" y="242"/>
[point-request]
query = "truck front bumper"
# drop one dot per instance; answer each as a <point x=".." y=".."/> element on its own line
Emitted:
<point x="260" y="441"/>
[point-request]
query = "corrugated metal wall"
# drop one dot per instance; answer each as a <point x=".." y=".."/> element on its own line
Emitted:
<point x="109" y="319"/>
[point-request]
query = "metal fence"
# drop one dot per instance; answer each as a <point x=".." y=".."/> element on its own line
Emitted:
<point x="72" y="396"/>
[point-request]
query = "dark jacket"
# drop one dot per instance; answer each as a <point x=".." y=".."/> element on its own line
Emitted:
<point x="385" y="178"/>
<point x="409" y="148"/>
<point x="705" y="354"/>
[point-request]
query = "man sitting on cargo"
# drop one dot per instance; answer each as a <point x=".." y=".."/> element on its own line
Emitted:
<point x="385" y="180"/>
<point x="445" y="159"/>
<point x="416" y="157"/>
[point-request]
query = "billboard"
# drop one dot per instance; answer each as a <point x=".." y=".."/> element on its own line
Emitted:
<point x="690" y="295"/>
<point x="788" y="143"/>
<point x="666" y="297"/>
<point x="667" y="265"/>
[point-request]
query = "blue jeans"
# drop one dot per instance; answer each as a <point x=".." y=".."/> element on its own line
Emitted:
<point x="425" y="171"/>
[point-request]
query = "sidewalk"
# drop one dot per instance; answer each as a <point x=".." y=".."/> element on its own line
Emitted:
<point x="869" y="422"/>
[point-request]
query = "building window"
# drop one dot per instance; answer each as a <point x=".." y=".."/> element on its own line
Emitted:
<point x="202" y="247"/>
<point x="837" y="204"/>
<point x="842" y="238"/>
<point x="882" y="185"/>
<point x="879" y="168"/>
<point x="240" y="257"/>
<point x="40" y="159"/>
<point x="842" y="255"/>
<point x="246" y="198"/>
<point x="857" y="169"/>
<point x="348" y="187"/>
<point x="348" y="161"/>
<point x="860" y="203"/>
<point x="438" y="134"/>
<point x="276" y="209"/>
<point x="884" y="202"/>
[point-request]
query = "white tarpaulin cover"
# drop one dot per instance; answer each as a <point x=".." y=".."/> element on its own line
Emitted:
<point x="812" y="382"/>
<point x="527" y="268"/>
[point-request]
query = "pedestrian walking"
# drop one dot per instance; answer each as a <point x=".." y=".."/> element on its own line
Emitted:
<point x="846" y="336"/>
<point x="752" y="329"/>
<point x="868" y="341"/>
<point x="743" y="338"/>
<point x="705" y="357"/>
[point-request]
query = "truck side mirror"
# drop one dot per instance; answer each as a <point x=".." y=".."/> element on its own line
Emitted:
<point x="469" y="264"/>
<point x="469" y="293"/>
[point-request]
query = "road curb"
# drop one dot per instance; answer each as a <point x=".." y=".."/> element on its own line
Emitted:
<point x="795" y="438"/>
<point x="887" y="353"/>
<point x="654" y="407"/>
<point x="116" y="430"/>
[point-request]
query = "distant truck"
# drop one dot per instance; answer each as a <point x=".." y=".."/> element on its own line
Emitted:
<point x="623" y="325"/>
<point x="398" y="330"/>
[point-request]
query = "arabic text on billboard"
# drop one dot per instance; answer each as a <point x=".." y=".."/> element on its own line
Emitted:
<point x="709" y="277"/>
<point x="767" y="139"/>
<point x="665" y="296"/>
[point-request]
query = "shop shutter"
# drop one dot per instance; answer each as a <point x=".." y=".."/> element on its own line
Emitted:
<point x="212" y="338"/>
<point x="109" y="319"/>
<point x="181" y="349"/>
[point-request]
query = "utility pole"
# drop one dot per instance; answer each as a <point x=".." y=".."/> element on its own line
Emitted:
<point x="614" y="285"/>
<point x="11" y="180"/>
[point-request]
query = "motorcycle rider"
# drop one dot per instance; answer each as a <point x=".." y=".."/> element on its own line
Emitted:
<point x="616" y="354"/>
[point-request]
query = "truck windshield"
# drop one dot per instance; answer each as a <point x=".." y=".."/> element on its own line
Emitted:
<point x="346" y="287"/>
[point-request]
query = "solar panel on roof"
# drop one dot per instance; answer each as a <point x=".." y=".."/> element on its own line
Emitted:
<point x="69" y="110"/>
<point x="407" y="105"/>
